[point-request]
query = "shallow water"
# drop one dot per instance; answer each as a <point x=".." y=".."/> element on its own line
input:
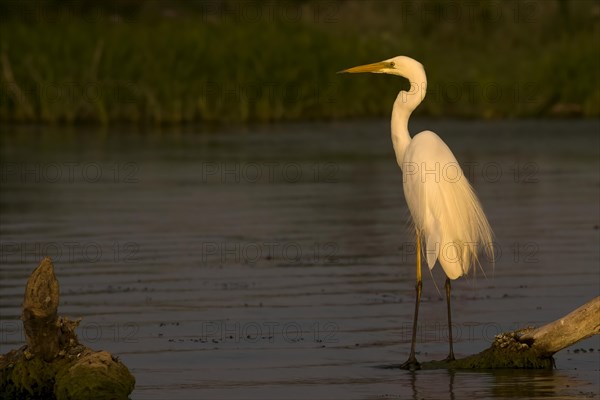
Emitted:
<point x="278" y="262"/>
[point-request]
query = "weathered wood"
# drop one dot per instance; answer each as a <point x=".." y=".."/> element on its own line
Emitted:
<point x="577" y="325"/>
<point x="53" y="364"/>
<point x="40" y="307"/>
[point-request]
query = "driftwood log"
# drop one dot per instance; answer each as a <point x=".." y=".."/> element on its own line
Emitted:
<point x="53" y="364"/>
<point x="532" y="347"/>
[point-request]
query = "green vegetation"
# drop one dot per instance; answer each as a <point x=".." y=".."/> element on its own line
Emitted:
<point x="187" y="61"/>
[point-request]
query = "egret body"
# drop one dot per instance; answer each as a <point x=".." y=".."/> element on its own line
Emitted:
<point x="449" y="222"/>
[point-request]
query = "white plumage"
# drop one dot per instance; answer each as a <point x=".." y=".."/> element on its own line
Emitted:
<point x="444" y="208"/>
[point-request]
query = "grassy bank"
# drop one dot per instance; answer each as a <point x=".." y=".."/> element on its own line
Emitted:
<point x="179" y="62"/>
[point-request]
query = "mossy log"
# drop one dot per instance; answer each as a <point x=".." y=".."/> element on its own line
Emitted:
<point x="53" y="364"/>
<point x="532" y="347"/>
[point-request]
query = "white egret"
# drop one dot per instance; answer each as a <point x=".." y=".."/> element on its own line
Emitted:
<point x="447" y="216"/>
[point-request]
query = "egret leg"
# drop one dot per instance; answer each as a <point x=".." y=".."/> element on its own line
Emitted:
<point x="451" y="353"/>
<point x="412" y="362"/>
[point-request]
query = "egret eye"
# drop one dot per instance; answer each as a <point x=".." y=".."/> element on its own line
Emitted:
<point x="392" y="64"/>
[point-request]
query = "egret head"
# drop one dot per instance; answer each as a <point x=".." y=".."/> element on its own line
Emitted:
<point x="405" y="67"/>
<point x="401" y="66"/>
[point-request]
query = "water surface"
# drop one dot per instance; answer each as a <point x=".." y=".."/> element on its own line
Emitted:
<point x="278" y="262"/>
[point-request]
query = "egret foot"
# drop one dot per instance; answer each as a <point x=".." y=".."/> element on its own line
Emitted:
<point x="411" y="364"/>
<point x="450" y="358"/>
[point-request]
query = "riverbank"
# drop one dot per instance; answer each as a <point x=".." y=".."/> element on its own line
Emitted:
<point x="179" y="62"/>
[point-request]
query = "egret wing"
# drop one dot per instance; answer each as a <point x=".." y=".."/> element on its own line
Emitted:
<point x="444" y="207"/>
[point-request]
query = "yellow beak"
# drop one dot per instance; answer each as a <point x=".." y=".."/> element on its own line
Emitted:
<point x="375" y="67"/>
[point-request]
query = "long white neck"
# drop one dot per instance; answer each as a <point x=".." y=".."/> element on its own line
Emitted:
<point x="404" y="105"/>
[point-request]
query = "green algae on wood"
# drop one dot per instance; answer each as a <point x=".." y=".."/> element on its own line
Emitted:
<point x="505" y="352"/>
